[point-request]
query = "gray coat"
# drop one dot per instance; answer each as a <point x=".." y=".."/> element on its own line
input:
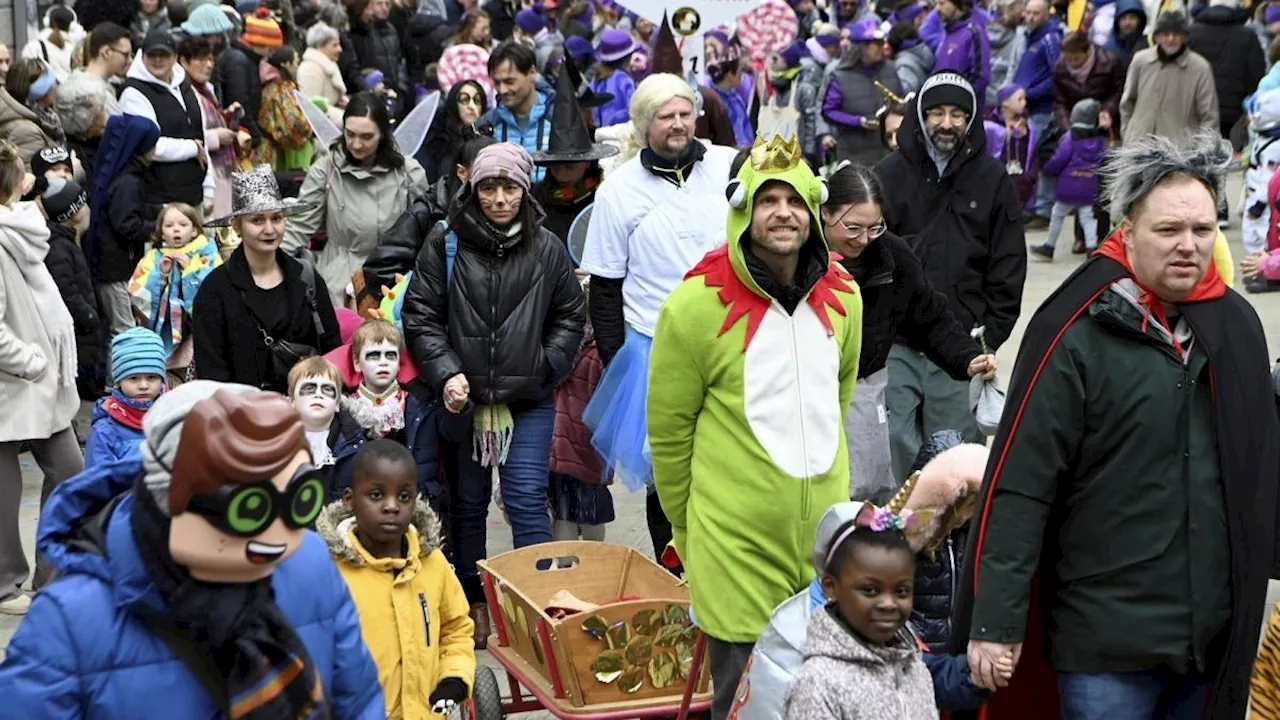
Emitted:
<point x="914" y="65"/>
<point x="1007" y="46"/>
<point x="843" y="679"/>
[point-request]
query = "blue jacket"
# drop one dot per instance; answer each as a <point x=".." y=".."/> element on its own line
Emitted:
<point x="82" y="651"/>
<point x="534" y="135"/>
<point x="1035" y="70"/>
<point x="953" y="689"/>
<point x="109" y="439"/>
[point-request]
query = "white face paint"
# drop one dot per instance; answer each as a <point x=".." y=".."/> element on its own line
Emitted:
<point x="316" y="400"/>
<point x="379" y="365"/>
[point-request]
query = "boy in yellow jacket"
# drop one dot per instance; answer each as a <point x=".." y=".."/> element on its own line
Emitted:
<point x="413" y="613"/>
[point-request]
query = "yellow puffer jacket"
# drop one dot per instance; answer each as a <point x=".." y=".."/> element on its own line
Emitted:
<point x="416" y="621"/>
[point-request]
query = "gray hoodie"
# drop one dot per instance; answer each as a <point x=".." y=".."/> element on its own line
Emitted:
<point x="844" y="679"/>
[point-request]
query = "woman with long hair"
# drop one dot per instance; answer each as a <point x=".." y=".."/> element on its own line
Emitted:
<point x="897" y="302"/>
<point x="27" y="117"/>
<point x="37" y="373"/>
<point x="465" y="104"/>
<point x="357" y="190"/>
<point x="286" y="133"/>
<point x="261" y="311"/>
<point x="473" y="29"/>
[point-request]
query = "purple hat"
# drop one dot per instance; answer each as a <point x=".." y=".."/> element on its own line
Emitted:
<point x="577" y="47"/>
<point x="826" y="41"/>
<point x="720" y="35"/>
<point x="907" y="14"/>
<point x="1007" y="92"/>
<point x="373" y="78"/>
<point x="615" y="45"/>
<point x="866" y="30"/>
<point x="792" y="54"/>
<point x="1271" y="14"/>
<point x="530" y="22"/>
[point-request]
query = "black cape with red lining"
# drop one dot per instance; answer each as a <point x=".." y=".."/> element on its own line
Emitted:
<point x="1249" y="453"/>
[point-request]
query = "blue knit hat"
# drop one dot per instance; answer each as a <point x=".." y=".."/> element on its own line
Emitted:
<point x="208" y="20"/>
<point x="137" y="351"/>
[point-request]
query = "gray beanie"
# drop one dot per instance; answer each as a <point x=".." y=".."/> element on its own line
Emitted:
<point x="162" y="429"/>
<point x="1084" y="115"/>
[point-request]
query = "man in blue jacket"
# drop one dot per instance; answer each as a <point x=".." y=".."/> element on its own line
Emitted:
<point x="1035" y="73"/>
<point x="186" y="569"/>
<point x="523" y="112"/>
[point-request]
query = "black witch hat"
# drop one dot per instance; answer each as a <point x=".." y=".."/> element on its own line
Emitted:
<point x="570" y="141"/>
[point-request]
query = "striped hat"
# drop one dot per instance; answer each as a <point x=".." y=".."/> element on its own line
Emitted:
<point x="261" y="30"/>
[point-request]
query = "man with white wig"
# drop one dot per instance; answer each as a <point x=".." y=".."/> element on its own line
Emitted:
<point x="654" y="218"/>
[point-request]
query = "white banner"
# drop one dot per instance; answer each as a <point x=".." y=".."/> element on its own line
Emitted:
<point x="690" y="20"/>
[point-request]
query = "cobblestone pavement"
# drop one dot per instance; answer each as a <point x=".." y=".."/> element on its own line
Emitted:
<point x="629" y="529"/>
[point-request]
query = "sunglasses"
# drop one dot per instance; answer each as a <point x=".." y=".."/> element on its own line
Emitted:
<point x="249" y="509"/>
<point x="464" y="99"/>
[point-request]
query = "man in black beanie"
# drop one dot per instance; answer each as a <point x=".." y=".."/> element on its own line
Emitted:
<point x="957" y="208"/>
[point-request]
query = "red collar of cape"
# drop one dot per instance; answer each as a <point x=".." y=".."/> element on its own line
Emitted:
<point x="716" y="270"/>
<point x="1211" y="287"/>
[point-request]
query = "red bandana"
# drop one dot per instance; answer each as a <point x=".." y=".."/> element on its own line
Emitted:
<point x="717" y="271"/>
<point x="1211" y="286"/>
<point x="126" y="415"/>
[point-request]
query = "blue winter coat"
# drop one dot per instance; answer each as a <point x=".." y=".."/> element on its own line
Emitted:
<point x="533" y="135"/>
<point x="109" y="439"/>
<point x="1075" y="163"/>
<point x="82" y="651"/>
<point x="1035" y="70"/>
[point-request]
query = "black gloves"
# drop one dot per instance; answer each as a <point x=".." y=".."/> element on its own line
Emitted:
<point x="450" y="692"/>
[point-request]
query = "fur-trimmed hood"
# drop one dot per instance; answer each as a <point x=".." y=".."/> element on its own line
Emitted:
<point x="945" y="487"/>
<point x="336" y="520"/>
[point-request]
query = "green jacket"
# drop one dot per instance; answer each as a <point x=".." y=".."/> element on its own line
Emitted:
<point x="1116" y="463"/>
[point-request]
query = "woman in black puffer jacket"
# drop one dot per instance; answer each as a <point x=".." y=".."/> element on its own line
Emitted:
<point x="496" y="322"/>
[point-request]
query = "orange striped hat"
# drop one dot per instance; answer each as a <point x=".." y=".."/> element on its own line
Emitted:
<point x="261" y="30"/>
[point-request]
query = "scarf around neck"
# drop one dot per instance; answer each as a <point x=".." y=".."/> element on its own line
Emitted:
<point x="1081" y="74"/>
<point x="125" y="410"/>
<point x="267" y="670"/>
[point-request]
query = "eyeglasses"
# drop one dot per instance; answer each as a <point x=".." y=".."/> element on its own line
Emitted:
<point x="249" y="509"/>
<point x="872" y="232"/>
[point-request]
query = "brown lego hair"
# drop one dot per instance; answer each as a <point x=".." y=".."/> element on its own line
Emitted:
<point x="314" y="366"/>
<point x="372" y="331"/>
<point x="232" y="439"/>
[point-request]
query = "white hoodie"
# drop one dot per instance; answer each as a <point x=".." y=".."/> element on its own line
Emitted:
<point x="168" y="149"/>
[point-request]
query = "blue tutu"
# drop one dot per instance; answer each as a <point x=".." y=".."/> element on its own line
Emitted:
<point x="617" y="417"/>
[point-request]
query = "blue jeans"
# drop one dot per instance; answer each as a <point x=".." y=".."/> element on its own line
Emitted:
<point x="523" y="480"/>
<point x="1159" y="694"/>
<point x="1046" y="185"/>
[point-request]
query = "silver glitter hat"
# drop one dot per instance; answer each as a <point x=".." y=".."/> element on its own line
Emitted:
<point x="256" y="191"/>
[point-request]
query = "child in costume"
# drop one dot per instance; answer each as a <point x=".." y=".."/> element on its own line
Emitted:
<point x="386" y="541"/>
<point x="1264" y="159"/>
<point x="1012" y="139"/>
<point x="137" y="371"/>
<point x="315" y="389"/>
<point x="166" y="280"/>
<point x="1075" y="163"/>
<point x="581" y="502"/>
<point x="66" y="205"/>
<point x="389" y="401"/>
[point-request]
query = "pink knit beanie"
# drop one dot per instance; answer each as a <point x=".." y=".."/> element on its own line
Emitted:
<point x="506" y="161"/>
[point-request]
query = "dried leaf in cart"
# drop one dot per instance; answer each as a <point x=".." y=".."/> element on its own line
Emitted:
<point x="607" y="666"/>
<point x="639" y="650"/>
<point x="662" y="670"/>
<point x="619" y="635"/>
<point x="596" y="627"/>
<point x="668" y="636"/>
<point x="676" y="615"/>
<point x="646" y="622"/>
<point x="632" y="680"/>
<point x="684" y="654"/>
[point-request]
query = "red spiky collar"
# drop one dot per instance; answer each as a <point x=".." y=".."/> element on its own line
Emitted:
<point x="717" y="271"/>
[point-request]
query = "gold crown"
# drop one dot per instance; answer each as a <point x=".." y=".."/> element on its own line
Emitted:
<point x="776" y="155"/>
<point x="889" y="95"/>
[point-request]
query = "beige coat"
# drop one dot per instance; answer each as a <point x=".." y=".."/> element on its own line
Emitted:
<point x="318" y="76"/>
<point x="1176" y="99"/>
<point x="37" y="338"/>
<point x="356" y="207"/>
<point x="21" y="126"/>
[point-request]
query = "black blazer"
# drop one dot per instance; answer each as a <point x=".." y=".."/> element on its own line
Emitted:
<point x="228" y="345"/>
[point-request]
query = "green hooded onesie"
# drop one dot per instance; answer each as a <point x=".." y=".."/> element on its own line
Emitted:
<point x="746" y="406"/>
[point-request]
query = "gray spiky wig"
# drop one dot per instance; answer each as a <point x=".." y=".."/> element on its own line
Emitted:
<point x="162" y="429"/>
<point x="1137" y="167"/>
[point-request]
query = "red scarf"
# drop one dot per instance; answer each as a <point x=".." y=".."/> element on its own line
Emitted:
<point x="1210" y="287"/>
<point x="124" y="414"/>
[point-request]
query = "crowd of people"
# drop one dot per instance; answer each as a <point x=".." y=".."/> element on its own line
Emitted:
<point x="766" y="290"/>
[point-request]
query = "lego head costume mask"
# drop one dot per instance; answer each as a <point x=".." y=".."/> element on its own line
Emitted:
<point x="230" y="466"/>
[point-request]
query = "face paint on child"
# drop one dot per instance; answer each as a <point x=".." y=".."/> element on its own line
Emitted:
<point x="379" y="365"/>
<point x="316" y="400"/>
<point x="143" y="386"/>
<point x="176" y="229"/>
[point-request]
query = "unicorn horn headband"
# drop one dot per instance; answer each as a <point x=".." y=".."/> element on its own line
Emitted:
<point x="889" y="95"/>
<point x="876" y="520"/>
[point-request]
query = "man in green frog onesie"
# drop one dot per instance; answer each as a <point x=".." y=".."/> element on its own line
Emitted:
<point x="751" y="373"/>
